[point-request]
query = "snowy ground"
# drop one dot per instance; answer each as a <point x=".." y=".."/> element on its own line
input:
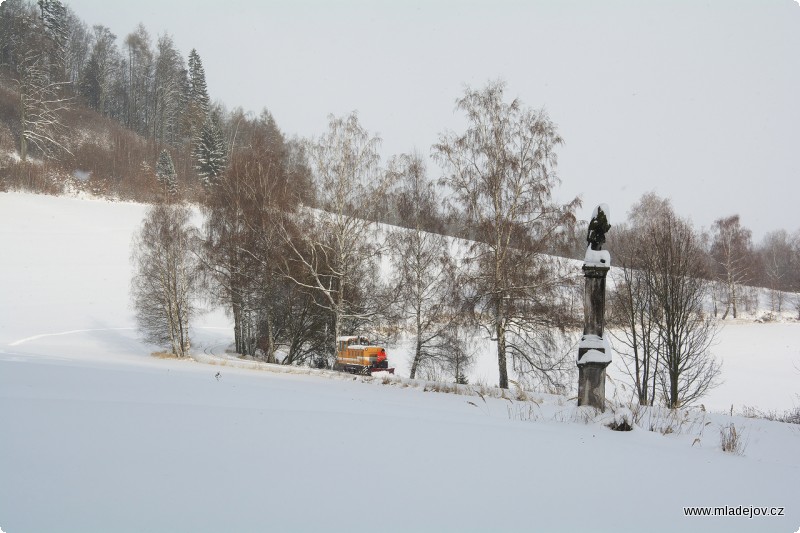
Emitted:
<point x="96" y="435"/>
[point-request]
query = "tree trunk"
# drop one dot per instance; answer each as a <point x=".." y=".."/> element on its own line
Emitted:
<point x="23" y="141"/>
<point x="417" y="355"/>
<point x="237" y="327"/>
<point x="653" y="384"/>
<point x="674" y="401"/>
<point x="270" y="340"/>
<point x="418" y="350"/>
<point x="337" y="317"/>
<point x="501" y="355"/>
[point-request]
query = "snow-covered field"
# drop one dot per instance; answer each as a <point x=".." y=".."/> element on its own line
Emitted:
<point x="97" y="435"/>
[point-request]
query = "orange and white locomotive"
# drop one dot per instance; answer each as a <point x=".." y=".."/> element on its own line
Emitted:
<point x="356" y="355"/>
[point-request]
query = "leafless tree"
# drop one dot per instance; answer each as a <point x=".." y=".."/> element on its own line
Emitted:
<point x="76" y="48"/>
<point x="42" y="104"/>
<point x="338" y="254"/>
<point x="164" y="284"/>
<point x="637" y="341"/>
<point x="776" y="257"/>
<point x="301" y="327"/>
<point x="243" y="210"/>
<point x="732" y="251"/>
<point x="249" y="212"/>
<point x="502" y="174"/>
<point x="102" y="71"/>
<point x="689" y="369"/>
<point x="453" y="362"/>
<point x="228" y="267"/>
<point x="426" y="274"/>
<point x="29" y="48"/>
<point x="139" y="79"/>
<point x="633" y="310"/>
<point x="668" y="333"/>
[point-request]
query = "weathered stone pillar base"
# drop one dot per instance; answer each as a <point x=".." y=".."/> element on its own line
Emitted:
<point x="592" y="385"/>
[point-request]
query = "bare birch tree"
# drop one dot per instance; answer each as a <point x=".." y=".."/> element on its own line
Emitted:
<point x="776" y="257"/>
<point x="164" y="283"/>
<point x="502" y="174"/>
<point x="425" y="274"/>
<point x="338" y="254"/>
<point x="686" y="332"/>
<point x="732" y="251"/>
<point x="633" y="309"/>
<point x="660" y="306"/>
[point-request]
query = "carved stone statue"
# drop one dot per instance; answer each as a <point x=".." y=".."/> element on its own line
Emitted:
<point x="594" y="349"/>
<point x="598" y="228"/>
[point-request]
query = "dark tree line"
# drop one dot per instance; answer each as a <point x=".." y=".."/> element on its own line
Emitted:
<point x="33" y="45"/>
<point x="248" y="212"/>
<point x="59" y="66"/>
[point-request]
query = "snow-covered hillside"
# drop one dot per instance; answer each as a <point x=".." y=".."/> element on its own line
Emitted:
<point x="97" y="435"/>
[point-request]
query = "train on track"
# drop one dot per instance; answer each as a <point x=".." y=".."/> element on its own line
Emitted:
<point x="355" y="354"/>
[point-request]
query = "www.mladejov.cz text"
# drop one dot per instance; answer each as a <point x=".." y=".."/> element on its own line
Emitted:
<point x="745" y="511"/>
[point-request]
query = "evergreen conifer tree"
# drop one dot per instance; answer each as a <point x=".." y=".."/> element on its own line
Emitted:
<point x="198" y="104"/>
<point x="165" y="173"/>
<point x="210" y="153"/>
<point x="54" y="20"/>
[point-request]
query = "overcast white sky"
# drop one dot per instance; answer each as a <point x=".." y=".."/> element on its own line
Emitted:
<point x="696" y="100"/>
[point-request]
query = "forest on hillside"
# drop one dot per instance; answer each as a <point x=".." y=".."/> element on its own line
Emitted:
<point x="290" y="244"/>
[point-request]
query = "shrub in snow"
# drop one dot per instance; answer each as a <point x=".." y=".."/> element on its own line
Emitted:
<point x="623" y="420"/>
<point x="790" y="416"/>
<point x="731" y="440"/>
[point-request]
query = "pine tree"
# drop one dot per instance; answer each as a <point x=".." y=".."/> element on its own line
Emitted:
<point x="169" y="102"/>
<point x="54" y="20"/>
<point x="165" y="173"/>
<point x="210" y="154"/>
<point x="198" y="104"/>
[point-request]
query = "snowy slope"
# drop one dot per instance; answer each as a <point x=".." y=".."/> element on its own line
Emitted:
<point x="66" y="270"/>
<point x="65" y="276"/>
<point x="96" y="435"/>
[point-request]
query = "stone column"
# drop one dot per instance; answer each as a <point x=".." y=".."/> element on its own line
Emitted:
<point x="594" y="351"/>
